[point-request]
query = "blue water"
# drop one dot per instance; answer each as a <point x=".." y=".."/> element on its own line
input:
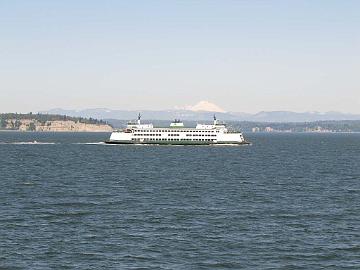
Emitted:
<point x="289" y="201"/>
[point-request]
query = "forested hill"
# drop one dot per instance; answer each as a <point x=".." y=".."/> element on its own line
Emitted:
<point x="49" y="117"/>
<point x="50" y="122"/>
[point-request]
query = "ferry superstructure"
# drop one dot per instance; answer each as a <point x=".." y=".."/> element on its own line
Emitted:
<point x="176" y="134"/>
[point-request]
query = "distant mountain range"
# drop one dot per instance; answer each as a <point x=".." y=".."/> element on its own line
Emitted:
<point x="265" y="116"/>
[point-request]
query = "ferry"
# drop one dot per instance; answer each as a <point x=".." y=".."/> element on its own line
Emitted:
<point x="176" y="134"/>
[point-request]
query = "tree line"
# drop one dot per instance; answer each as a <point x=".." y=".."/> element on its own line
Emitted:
<point x="42" y="118"/>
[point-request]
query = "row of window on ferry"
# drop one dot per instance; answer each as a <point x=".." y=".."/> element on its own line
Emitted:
<point x="176" y="135"/>
<point x="196" y="131"/>
<point x="154" y="139"/>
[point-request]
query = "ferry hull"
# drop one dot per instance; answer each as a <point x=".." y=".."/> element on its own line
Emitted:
<point x="177" y="142"/>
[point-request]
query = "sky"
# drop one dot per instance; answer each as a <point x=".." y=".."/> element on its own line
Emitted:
<point x="244" y="56"/>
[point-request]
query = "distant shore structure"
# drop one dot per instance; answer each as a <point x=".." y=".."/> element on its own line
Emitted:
<point x="176" y="134"/>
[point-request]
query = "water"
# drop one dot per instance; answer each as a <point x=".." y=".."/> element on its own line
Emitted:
<point x="289" y="201"/>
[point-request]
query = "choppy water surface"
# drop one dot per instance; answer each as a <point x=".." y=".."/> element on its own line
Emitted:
<point x="289" y="201"/>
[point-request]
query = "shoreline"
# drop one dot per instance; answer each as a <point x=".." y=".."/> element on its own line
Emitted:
<point x="104" y="131"/>
<point x="63" y="131"/>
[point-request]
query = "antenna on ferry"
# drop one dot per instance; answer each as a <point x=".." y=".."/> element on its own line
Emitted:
<point x="215" y="122"/>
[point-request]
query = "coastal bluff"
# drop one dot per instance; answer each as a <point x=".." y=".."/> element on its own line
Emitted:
<point x="52" y="123"/>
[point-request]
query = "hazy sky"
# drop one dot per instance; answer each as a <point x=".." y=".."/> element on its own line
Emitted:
<point x="241" y="55"/>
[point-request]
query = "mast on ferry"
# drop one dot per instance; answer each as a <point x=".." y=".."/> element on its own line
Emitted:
<point x="139" y="117"/>
<point x="215" y="121"/>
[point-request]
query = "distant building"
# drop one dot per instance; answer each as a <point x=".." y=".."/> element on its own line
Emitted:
<point x="255" y="129"/>
<point x="269" y="129"/>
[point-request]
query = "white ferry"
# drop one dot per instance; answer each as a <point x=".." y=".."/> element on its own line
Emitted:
<point x="176" y="134"/>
